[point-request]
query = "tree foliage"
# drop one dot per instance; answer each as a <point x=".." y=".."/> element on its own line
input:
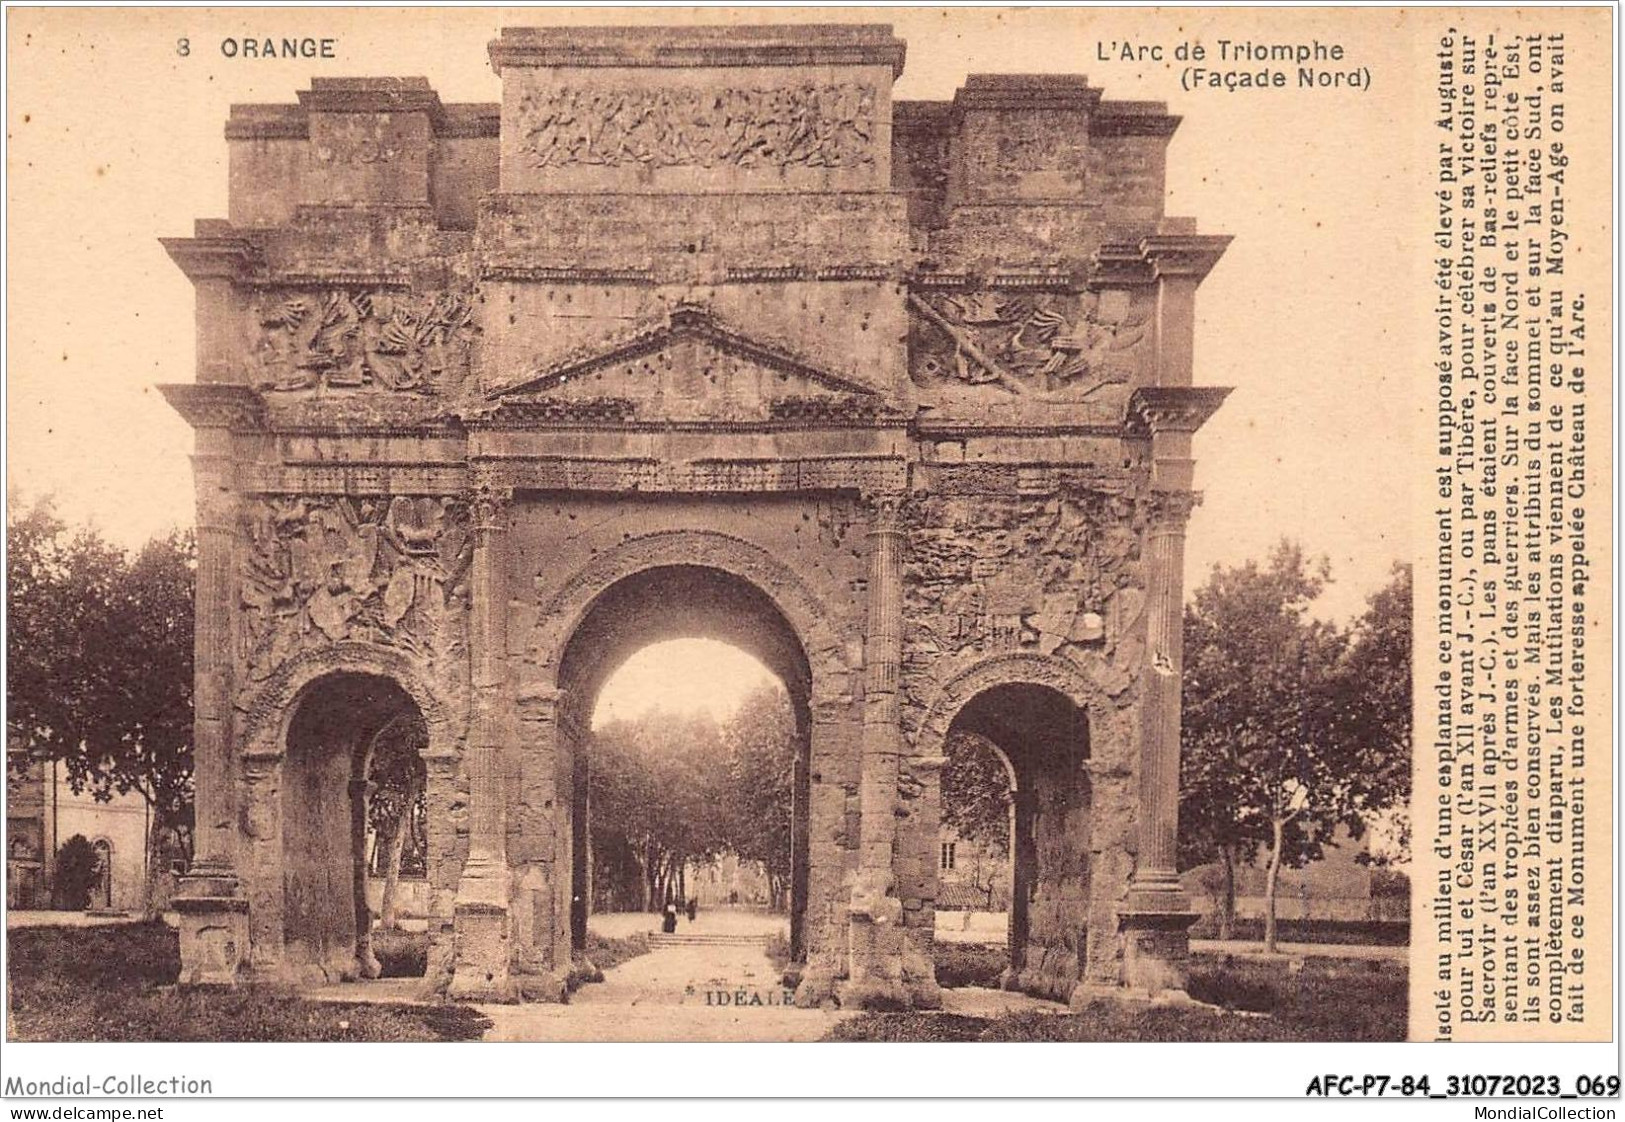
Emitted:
<point x="1292" y="725"/>
<point x="1379" y="669"/>
<point x="652" y="786"/>
<point x="976" y="792"/>
<point x="760" y="744"/>
<point x="396" y="810"/>
<point x="99" y="661"/>
<point x="668" y="790"/>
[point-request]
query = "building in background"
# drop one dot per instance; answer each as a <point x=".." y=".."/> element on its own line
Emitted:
<point x="42" y="812"/>
<point x="971" y="875"/>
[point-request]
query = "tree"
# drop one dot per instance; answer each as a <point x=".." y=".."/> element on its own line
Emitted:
<point x="653" y="803"/>
<point x="757" y="799"/>
<point x="976" y="803"/>
<point x="395" y="806"/>
<point x="1378" y="672"/>
<point x="667" y="791"/>
<point x="1274" y="752"/>
<point x="99" y="654"/>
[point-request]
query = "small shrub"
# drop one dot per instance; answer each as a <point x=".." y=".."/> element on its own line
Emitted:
<point x="778" y="950"/>
<point x="606" y="953"/>
<point x="1230" y="989"/>
<point x="75" y="874"/>
<point x="402" y="954"/>
<point x="967" y="964"/>
<point x="117" y="983"/>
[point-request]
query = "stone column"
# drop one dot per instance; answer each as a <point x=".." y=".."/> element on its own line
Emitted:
<point x="1158" y="912"/>
<point x="214" y="930"/>
<point x="875" y="945"/>
<point x="1167" y="412"/>
<point x="1157" y="886"/>
<point x="214" y="937"/>
<point x="482" y="927"/>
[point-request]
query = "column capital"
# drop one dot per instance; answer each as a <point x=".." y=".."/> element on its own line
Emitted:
<point x="217" y="506"/>
<point x="489" y="503"/>
<point x="886" y="511"/>
<point x="1171" y="510"/>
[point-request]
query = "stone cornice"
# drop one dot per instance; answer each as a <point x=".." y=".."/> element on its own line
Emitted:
<point x="1133" y="118"/>
<point x="1154" y="409"/>
<point x="370" y="95"/>
<point x="224" y="256"/>
<point x="722" y="476"/>
<point x="1119" y="265"/>
<point x="1130" y="264"/>
<point x="211" y="405"/>
<point x="286" y="121"/>
<point x="1184" y="255"/>
<point x="1026" y="92"/>
<point x="700" y="46"/>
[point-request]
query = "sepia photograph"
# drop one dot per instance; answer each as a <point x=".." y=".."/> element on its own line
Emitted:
<point x="803" y="525"/>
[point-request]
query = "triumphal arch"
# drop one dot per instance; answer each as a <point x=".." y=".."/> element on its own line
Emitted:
<point x="698" y="332"/>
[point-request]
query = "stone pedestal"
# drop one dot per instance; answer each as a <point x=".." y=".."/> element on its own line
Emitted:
<point x="875" y="956"/>
<point x="1156" y="946"/>
<point x="213" y="928"/>
<point x="481" y="950"/>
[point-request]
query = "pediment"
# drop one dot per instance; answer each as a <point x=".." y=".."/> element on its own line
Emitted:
<point x="691" y="368"/>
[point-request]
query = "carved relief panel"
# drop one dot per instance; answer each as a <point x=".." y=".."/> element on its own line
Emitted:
<point x="324" y="569"/>
<point x="1058" y="345"/>
<point x="821" y="126"/>
<point x="1046" y="571"/>
<point x="383" y="340"/>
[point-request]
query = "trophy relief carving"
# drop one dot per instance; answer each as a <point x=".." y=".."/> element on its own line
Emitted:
<point x="379" y="340"/>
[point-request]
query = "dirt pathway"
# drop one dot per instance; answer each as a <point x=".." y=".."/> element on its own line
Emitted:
<point x="723" y="991"/>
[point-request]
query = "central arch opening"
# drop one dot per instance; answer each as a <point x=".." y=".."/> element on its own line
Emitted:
<point x="686" y="701"/>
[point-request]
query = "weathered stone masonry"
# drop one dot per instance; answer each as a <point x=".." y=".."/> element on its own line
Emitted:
<point x="698" y="332"/>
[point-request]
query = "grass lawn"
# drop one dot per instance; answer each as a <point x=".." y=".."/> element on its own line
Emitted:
<point x="1328" y="999"/>
<point x="117" y="983"/>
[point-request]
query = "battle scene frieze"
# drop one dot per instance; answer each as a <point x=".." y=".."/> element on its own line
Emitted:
<point x="810" y="125"/>
<point x="1045" y="567"/>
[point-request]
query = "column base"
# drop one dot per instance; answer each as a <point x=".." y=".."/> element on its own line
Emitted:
<point x="1156" y="950"/>
<point x="483" y="945"/>
<point x="213" y="927"/>
<point x="482" y="935"/>
<point x="874" y="970"/>
<point x="820" y="979"/>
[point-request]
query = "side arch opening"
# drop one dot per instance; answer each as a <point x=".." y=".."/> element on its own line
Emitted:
<point x="353" y="760"/>
<point x="1041" y="738"/>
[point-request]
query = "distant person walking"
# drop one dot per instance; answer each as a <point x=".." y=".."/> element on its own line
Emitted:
<point x="693" y="908"/>
<point x="668" y="925"/>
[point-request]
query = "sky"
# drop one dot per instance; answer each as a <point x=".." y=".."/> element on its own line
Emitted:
<point x="115" y="141"/>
